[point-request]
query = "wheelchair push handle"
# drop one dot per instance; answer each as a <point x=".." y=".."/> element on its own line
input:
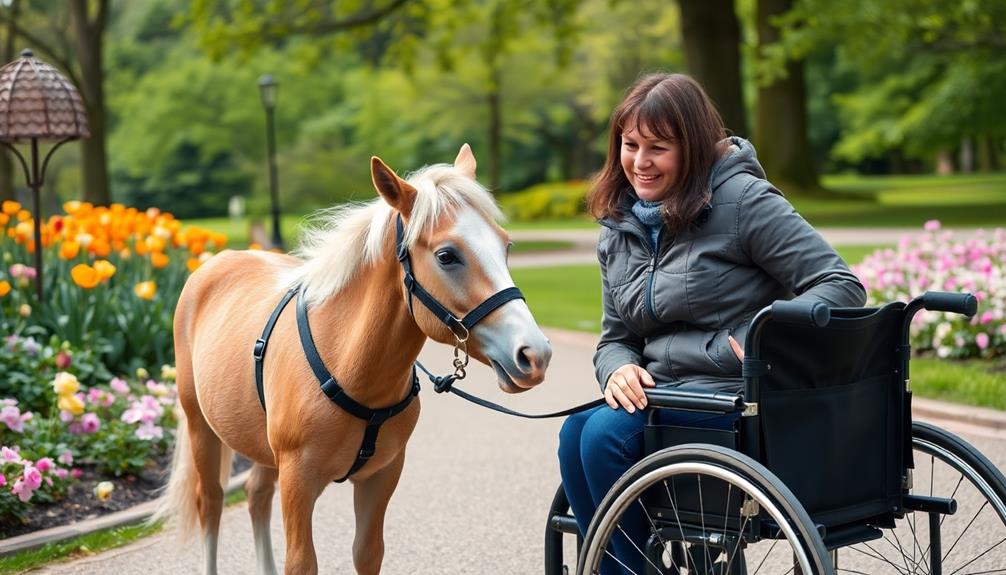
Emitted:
<point x="962" y="303"/>
<point x="815" y="314"/>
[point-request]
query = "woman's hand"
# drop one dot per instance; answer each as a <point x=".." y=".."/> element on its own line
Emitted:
<point x="738" y="350"/>
<point x="625" y="387"/>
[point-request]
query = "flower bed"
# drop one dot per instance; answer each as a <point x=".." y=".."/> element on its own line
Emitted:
<point x="938" y="260"/>
<point x="76" y="398"/>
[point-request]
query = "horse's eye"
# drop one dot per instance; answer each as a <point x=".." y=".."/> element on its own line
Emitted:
<point x="447" y="257"/>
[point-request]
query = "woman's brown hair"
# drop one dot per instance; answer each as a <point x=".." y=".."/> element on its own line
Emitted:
<point x="673" y="107"/>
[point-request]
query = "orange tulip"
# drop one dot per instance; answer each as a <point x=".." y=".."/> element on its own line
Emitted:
<point x="193" y="264"/>
<point x="69" y="250"/>
<point x="104" y="268"/>
<point x="4" y="287"/>
<point x="85" y="276"/>
<point x="23" y="215"/>
<point x="4" y="218"/>
<point x="11" y="207"/>
<point x="159" y="260"/>
<point x="145" y="290"/>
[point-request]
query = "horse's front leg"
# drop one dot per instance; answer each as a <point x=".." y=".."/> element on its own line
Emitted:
<point x="370" y="501"/>
<point x="298" y="493"/>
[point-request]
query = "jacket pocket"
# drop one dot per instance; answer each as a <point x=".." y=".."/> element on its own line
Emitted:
<point x="703" y="353"/>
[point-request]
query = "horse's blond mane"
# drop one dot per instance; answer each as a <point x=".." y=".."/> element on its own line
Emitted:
<point x="344" y="238"/>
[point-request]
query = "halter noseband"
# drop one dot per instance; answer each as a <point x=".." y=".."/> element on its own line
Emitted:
<point x="459" y="327"/>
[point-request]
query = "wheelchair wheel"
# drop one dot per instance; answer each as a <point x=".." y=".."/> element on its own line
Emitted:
<point x="560" y="523"/>
<point x="969" y="541"/>
<point x="708" y="510"/>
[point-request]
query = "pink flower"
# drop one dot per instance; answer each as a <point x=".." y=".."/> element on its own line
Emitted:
<point x="982" y="340"/>
<point x="63" y="360"/>
<point x="10" y="455"/>
<point x="932" y="225"/>
<point x="22" y="491"/>
<point x="76" y="473"/>
<point x="147" y="431"/>
<point x="45" y="465"/>
<point x="3" y="480"/>
<point x="76" y="428"/>
<point x="61" y="473"/>
<point x="12" y="417"/>
<point x="32" y="477"/>
<point x="119" y="386"/>
<point x="90" y="423"/>
<point x="66" y="458"/>
<point x="18" y="271"/>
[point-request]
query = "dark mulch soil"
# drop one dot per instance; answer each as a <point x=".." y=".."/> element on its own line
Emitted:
<point x="80" y="503"/>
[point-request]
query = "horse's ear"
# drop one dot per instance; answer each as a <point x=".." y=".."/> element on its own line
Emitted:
<point x="395" y="191"/>
<point x="466" y="161"/>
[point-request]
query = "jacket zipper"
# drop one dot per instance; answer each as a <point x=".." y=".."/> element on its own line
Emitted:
<point x="649" y="281"/>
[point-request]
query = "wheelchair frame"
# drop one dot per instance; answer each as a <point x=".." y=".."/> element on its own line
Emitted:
<point x="817" y="542"/>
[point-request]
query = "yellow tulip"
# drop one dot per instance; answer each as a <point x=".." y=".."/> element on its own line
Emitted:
<point x="4" y="287"/>
<point x="71" y="403"/>
<point x="103" y="491"/>
<point x="71" y="206"/>
<point x="146" y="290"/>
<point x="65" y="383"/>
<point x="85" y="276"/>
<point x="104" y="268"/>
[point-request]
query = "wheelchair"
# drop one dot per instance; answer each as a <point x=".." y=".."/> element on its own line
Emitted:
<point x="822" y="472"/>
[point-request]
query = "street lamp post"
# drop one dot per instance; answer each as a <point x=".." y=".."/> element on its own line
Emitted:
<point x="267" y="89"/>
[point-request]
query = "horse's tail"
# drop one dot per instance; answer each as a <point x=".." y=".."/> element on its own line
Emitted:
<point x="177" y="502"/>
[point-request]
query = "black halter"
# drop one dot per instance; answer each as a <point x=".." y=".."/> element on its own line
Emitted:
<point x="412" y="286"/>
<point x="376" y="417"/>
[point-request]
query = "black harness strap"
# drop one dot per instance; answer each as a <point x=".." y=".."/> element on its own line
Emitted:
<point x="374" y="417"/>
<point x="263" y="342"/>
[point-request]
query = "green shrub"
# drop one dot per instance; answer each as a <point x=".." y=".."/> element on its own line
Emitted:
<point x="550" y="200"/>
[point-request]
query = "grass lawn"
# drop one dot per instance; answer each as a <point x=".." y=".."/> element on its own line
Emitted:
<point x="569" y="297"/>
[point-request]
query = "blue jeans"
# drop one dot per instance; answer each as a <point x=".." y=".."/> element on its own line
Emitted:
<point x="595" y="448"/>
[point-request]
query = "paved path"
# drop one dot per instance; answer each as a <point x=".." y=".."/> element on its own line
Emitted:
<point x="472" y="498"/>
<point x="585" y="241"/>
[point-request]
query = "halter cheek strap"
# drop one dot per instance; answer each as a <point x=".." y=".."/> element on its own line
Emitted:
<point x="442" y="313"/>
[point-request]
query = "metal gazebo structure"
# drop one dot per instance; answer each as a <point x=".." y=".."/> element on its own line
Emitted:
<point x="38" y="103"/>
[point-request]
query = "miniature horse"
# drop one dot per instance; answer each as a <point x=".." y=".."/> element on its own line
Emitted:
<point x="368" y="335"/>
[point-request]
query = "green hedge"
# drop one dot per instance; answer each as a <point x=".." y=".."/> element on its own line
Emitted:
<point x="549" y="200"/>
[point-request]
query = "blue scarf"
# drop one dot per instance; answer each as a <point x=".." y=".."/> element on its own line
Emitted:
<point x="649" y="213"/>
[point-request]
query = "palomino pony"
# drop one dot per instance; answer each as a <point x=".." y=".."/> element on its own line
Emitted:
<point x="368" y="334"/>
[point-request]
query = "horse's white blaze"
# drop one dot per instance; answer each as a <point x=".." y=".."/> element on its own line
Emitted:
<point x="513" y="331"/>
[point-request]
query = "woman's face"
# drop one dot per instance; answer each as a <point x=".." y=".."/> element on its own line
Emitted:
<point x="650" y="164"/>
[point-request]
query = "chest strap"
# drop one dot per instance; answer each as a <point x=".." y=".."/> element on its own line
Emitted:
<point x="331" y="388"/>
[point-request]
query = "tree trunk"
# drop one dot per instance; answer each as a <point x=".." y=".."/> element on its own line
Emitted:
<point x="712" y="38"/>
<point x="944" y="163"/>
<point x="6" y="156"/>
<point x="88" y="39"/>
<point x="781" y="119"/>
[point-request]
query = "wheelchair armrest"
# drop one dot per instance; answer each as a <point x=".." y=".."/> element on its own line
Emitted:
<point x="720" y="402"/>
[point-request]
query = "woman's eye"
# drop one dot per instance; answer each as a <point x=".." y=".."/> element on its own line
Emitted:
<point x="447" y="257"/>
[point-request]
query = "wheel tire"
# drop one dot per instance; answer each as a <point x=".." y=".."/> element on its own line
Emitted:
<point x="972" y="540"/>
<point x="719" y="465"/>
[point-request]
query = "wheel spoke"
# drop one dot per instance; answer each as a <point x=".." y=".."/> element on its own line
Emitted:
<point x="726" y="520"/>
<point x="763" y="559"/>
<point x="979" y="556"/>
<point x="674" y="507"/>
<point x="913" y="568"/>
<point x="740" y="538"/>
<point x="876" y="555"/>
<point x="702" y="520"/>
<point x="970" y="523"/>
<point x="633" y="543"/>
<point x="617" y="560"/>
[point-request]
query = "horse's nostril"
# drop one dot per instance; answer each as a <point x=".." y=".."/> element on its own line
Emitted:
<point x="525" y="359"/>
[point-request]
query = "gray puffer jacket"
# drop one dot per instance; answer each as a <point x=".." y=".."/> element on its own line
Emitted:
<point x="670" y="311"/>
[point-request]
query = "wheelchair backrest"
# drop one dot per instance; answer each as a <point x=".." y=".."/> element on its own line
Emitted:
<point x="833" y="412"/>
